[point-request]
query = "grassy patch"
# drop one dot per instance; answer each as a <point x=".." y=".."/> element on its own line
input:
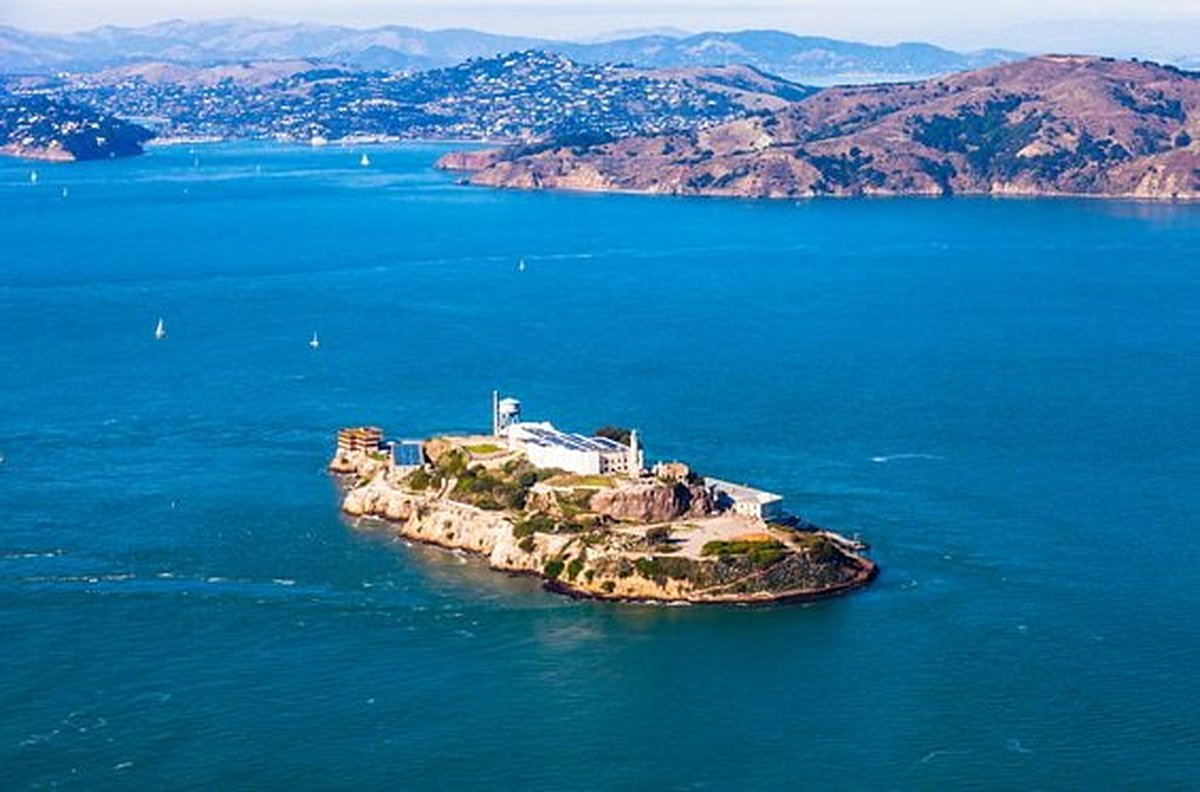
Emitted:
<point x="573" y="480"/>
<point x="484" y="449"/>
<point x="760" y="552"/>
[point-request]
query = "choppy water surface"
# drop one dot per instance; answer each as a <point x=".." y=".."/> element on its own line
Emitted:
<point x="999" y="396"/>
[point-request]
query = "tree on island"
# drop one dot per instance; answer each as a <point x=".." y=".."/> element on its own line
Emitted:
<point x="617" y="433"/>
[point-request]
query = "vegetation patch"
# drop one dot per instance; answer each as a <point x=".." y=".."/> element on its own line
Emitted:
<point x="660" y="569"/>
<point x="419" y="480"/>
<point x="759" y="552"/>
<point x="572" y="480"/>
<point x="540" y="522"/>
<point x="987" y="138"/>
<point x="618" y="433"/>
<point x="488" y="488"/>
<point x="819" y="547"/>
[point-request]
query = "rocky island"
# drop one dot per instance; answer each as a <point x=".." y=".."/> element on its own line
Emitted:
<point x="584" y="514"/>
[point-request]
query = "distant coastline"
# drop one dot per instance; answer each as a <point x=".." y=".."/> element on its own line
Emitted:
<point x="1069" y="126"/>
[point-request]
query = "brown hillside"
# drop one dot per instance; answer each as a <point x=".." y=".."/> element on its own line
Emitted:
<point x="1050" y="125"/>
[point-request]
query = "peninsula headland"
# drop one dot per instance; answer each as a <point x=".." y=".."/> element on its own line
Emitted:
<point x="584" y="514"/>
<point x="1053" y="126"/>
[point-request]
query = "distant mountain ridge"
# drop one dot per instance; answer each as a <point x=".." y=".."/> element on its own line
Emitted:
<point x="396" y="47"/>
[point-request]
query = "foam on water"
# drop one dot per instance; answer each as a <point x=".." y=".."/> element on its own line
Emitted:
<point x="883" y="459"/>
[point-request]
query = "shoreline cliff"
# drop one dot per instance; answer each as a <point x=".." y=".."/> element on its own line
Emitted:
<point x="636" y="540"/>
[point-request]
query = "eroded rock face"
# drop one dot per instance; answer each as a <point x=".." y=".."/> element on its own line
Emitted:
<point x="653" y="502"/>
<point x="609" y="564"/>
<point x="468" y="160"/>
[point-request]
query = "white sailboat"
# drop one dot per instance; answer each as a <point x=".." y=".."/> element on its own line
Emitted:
<point x="364" y="160"/>
<point x="160" y="330"/>
<point x="33" y="177"/>
<point x="315" y="343"/>
<point x="65" y="192"/>
<point x="521" y="265"/>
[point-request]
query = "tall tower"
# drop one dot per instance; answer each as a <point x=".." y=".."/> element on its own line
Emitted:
<point x="495" y="413"/>
<point x="508" y="412"/>
<point x="635" y="454"/>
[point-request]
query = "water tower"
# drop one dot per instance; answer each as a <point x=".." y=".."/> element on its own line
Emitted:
<point x="505" y="413"/>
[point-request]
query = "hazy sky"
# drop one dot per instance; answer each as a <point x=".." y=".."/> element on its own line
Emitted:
<point x="953" y="22"/>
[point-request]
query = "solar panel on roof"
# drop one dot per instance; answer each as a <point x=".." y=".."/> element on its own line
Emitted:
<point x="407" y="454"/>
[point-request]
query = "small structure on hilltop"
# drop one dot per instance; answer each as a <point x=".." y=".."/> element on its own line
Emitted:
<point x="406" y="455"/>
<point x="740" y="499"/>
<point x="672" y="471"/>
<point x="505" y="413"/>
<point x="359" y="440"/>
<point x="549" y="447"/>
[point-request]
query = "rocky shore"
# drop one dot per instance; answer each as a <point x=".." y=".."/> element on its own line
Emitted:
<point x="642" y="540"/>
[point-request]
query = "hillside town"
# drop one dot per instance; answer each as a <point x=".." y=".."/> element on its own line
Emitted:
<point x="524" y="96"/>
<point x="41" y="127"/>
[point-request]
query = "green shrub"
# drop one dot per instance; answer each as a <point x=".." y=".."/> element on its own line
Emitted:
<point x="553" y="569"/>
<point x="617" y="433"/>
<point x="760" y="552"/>
<point x="527" y="544"/>
<point x="453" y="463"/>
<point x="418" y="480"/>
<point x="574" y="568"/>
<point x="820" y="548"/>
<point x="660" y="569"/>
<point x="658" y="535"/>
<point x="608" y="586"/>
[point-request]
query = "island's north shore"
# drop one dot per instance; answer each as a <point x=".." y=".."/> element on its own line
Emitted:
<point x="585" y="514"/>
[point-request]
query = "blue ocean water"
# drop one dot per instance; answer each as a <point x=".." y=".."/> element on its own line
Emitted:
<point x="1000" y="396"/>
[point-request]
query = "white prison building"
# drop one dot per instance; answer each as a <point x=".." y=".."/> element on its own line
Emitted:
<point x="548" y="447"/>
